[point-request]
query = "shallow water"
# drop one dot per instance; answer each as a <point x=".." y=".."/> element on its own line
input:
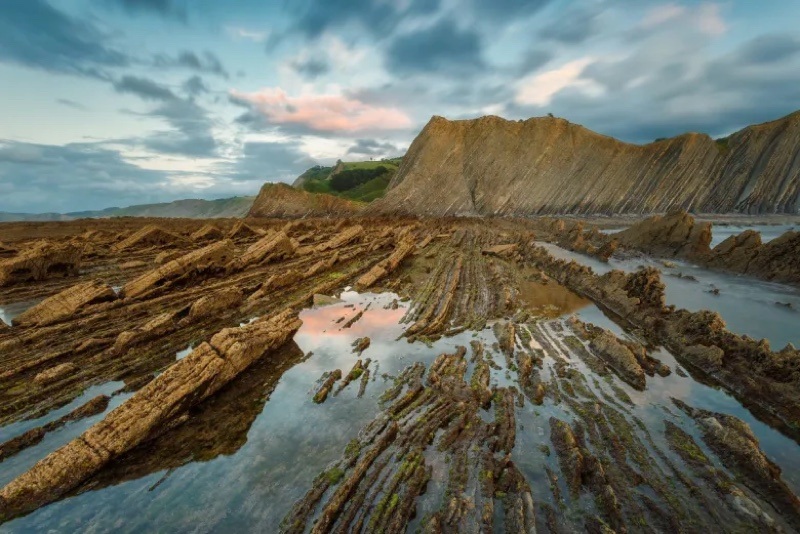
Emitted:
<point x="11" y="310"/>
<point x="748" y="305"/>
<point x="252" y="451"/>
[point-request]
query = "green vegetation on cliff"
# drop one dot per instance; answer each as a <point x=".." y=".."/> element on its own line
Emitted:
<point x="363" y="181"/>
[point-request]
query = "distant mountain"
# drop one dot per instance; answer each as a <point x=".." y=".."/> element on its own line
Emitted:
<point x="190" y="209"/>
<point x="546" y="165"/>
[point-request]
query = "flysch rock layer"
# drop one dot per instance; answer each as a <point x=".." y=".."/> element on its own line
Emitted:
<point x="282" y="200"/>
<point x="41" y="261"/>
<point x="66" y="303"/>
<point x="160" y="403"/>
<point x="493" y="166"/>
<point x="213" y="257"/>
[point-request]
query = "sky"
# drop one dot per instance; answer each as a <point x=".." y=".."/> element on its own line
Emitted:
<point x="121" y="102"/>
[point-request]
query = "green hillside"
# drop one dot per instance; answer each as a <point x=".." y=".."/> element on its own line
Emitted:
<point x="363" y="181"/>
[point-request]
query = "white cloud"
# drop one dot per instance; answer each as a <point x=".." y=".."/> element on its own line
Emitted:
<point x="539" y="89"/>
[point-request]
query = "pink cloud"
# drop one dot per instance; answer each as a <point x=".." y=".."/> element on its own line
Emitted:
<point x="327" y="113"/>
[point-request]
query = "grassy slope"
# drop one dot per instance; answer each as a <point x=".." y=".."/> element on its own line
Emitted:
<point x="316" y="180"/>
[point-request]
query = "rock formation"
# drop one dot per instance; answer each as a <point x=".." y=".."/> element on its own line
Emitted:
<point x="149" y="236"/>
<point x="214" y="257"/>
<point x="492" y="166"/>
<point x="202" y="373"/>
<point x="282" y="200"/>
<point x="40" y="261"/>
<point x="65" y="304"/>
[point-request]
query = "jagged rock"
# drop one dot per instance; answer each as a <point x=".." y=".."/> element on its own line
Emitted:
<point x="216" y="302"/>
<point x="187" y="382"/>
<point x="736" y="445"/>
<point x="41" y="261"/>
<point x="166" y="256"/>
<point x="66" y="303"/>
<point x="149" y="236"/>
<point x="342" y="238"/>
<point x="620" y="357"/>
<point x="325" y="300"/>
<point x="707" y="358"/>
<point x="6" y="251"/>
<point x="361" y="344"/>
<point x="283" y="200"/>
<point x="212" y="258"/>
<point x="495" y="167"/>
<point x="207" y="233"/>
<point x="387" y="266"/>
<point x="159" y="325"/>
<point x="676" y="234"/>
<point x="270" y="247"/>
<point x="55" y="373"/>
<point x="327" y="386"/>
<point x="242" y="230"/>
<point x="500" y="250"/>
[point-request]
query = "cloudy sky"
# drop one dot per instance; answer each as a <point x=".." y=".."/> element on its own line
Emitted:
<point x="119" y="102"/>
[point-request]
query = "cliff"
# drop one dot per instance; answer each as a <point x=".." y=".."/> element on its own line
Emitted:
<point x="282" y="200"/>
<point x="493" y="166"/>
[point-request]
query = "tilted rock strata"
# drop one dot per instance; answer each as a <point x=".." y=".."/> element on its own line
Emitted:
<point x="202" y="373"/>
<point x="150" y="235"/>
<point x="493" y="166"/>
<point x="679" y="235"/>
<point x="214" y="257"/>
<point x="41" y="261"/>
<point x="66" y="303"/>
<point x="282" y="200"/>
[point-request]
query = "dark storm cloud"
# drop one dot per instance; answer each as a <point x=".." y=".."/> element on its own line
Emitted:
<point x="35" y="34"/>
<point x="373" y="147"/>
<point x="206" y="62"/>
<point x="41" y="178"/>
<point x="144" y="88"/>
<point x="163" y="8"/>
<point x="310" y="68"/>
<point x="442" y="47"/>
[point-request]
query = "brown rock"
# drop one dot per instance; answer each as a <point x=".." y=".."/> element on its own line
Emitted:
<point x="270" y="247"/>
<point x="207" y="233"/>
<point x="282" y="200"/>
<point x="149" y="236"/>
<point x="216" y="302"/>
<point x="65" y="304"/>
<point x="242" y="230"/>
<point x="55" y="373"/>
<point x="187" y="382"/>
<point x="41" y="261"/>
<point x="387" y="266"/>
<point x="210" y="259"/>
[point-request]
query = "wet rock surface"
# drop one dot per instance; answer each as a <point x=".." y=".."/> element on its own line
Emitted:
<point x="459" y="395"/>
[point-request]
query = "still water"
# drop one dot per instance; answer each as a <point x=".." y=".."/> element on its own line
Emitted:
<point x="250" y="452"/>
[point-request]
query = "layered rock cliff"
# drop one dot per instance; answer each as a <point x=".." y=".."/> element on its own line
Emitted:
<point x="493" y="166"/>
<point x="282" y="200"/>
